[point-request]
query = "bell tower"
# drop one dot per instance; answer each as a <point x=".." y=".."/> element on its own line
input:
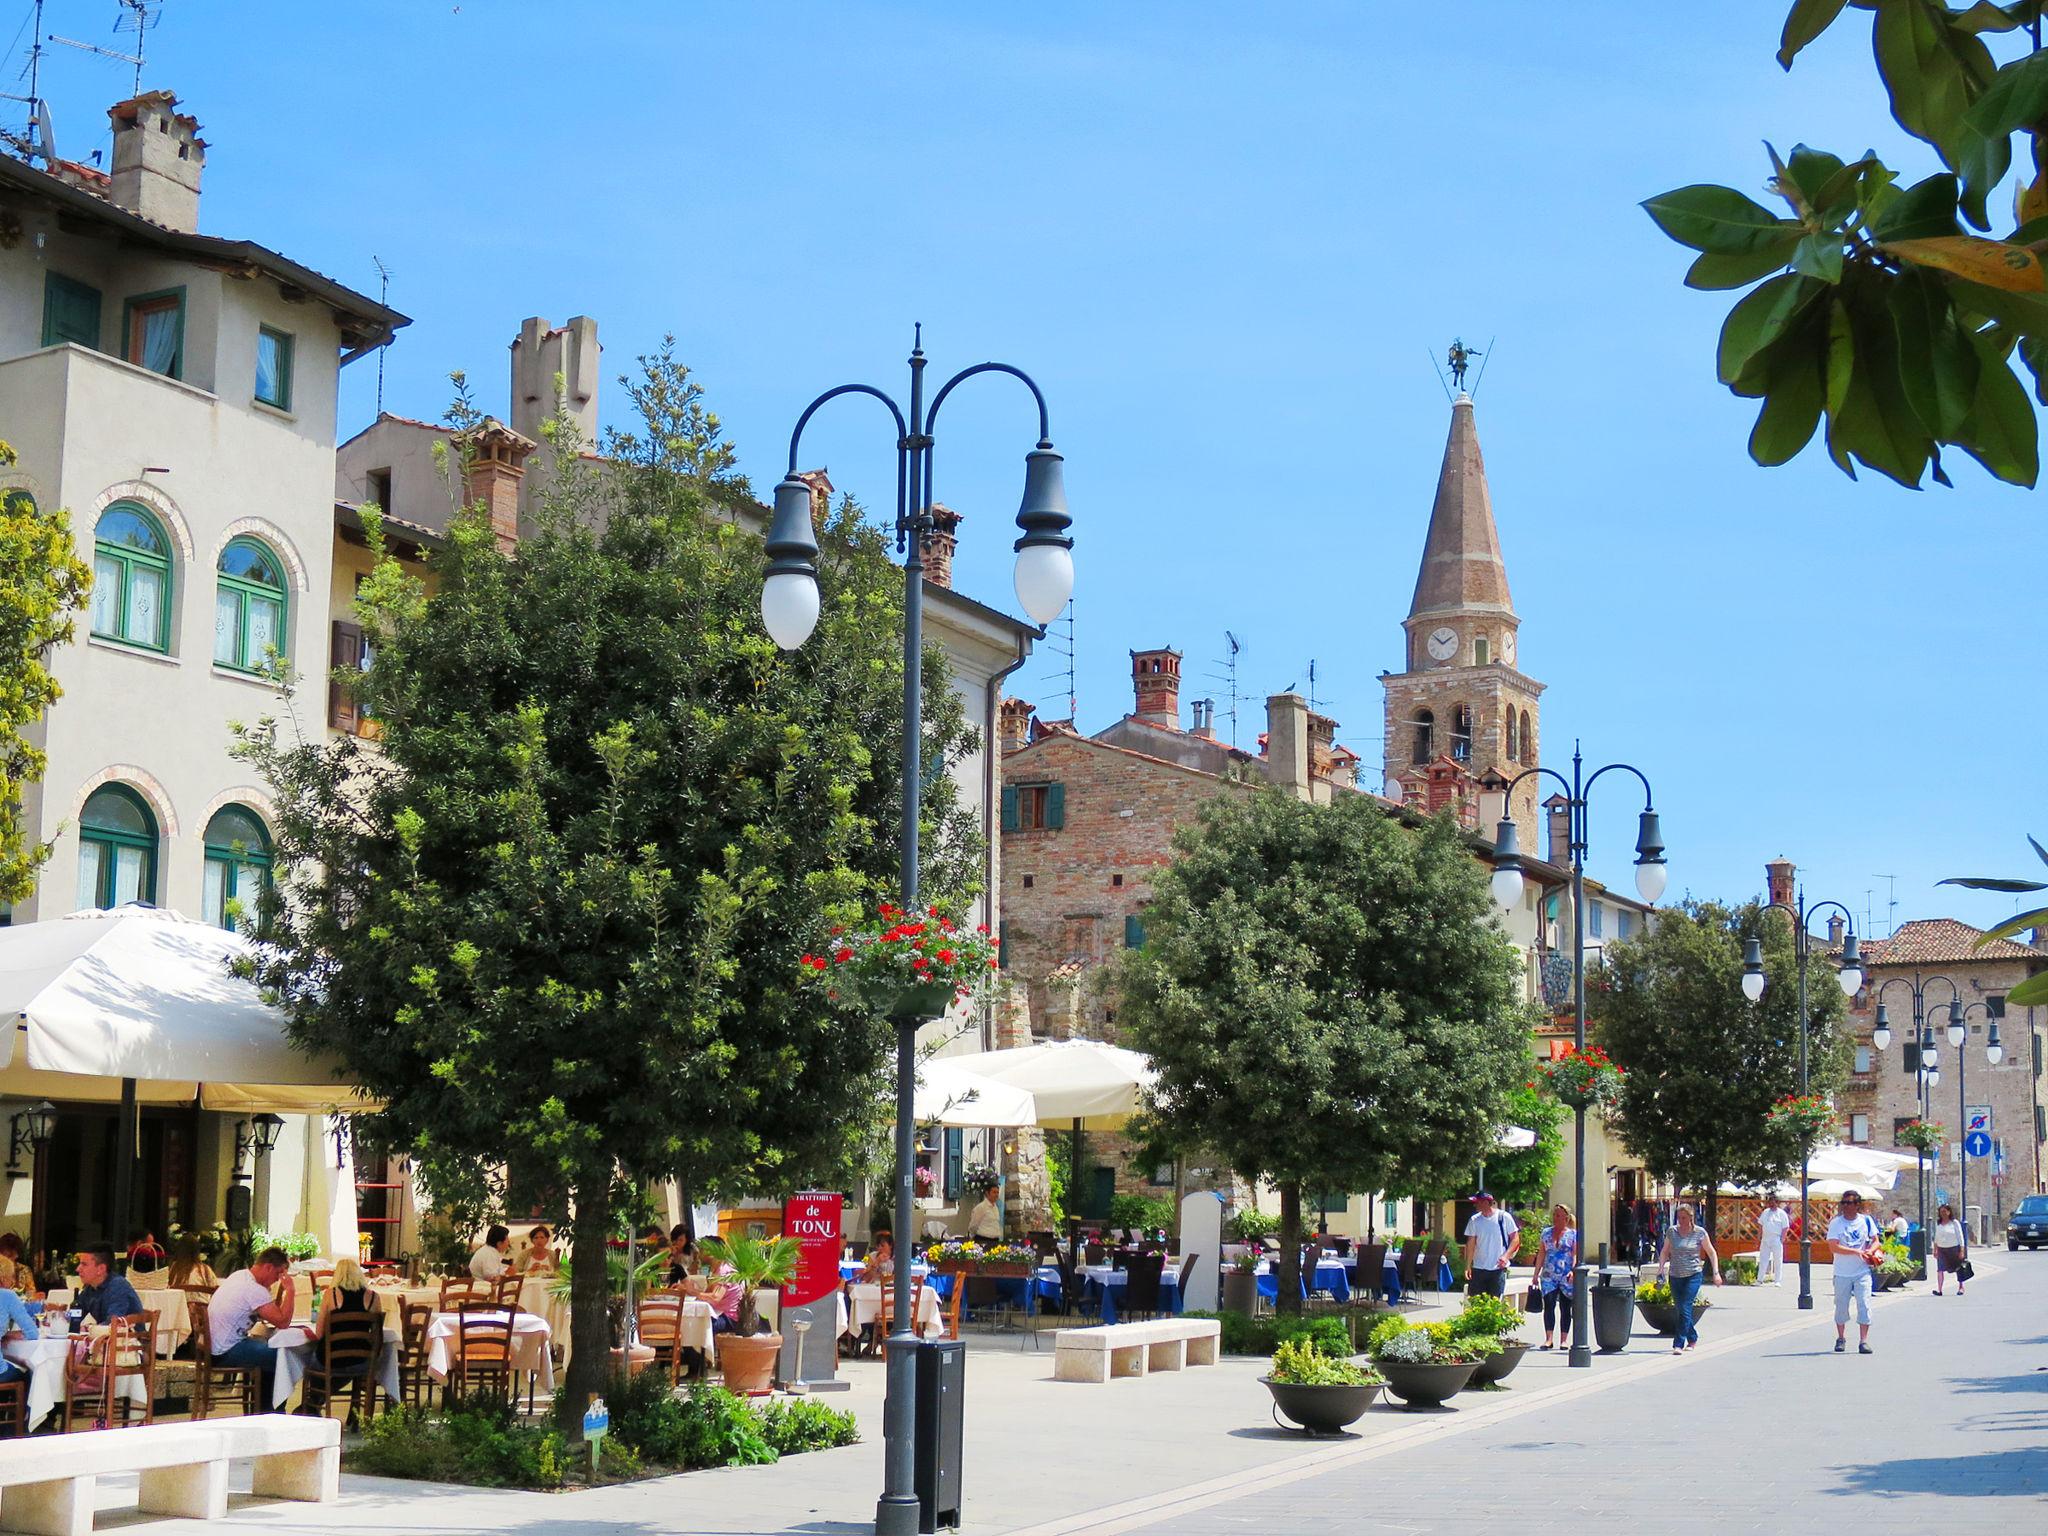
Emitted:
<point x="1461" y="695"/>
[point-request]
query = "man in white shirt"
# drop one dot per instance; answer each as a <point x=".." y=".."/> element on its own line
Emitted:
<point x="1489" y="1247"/>
<point x="1771" y="1223"/>
<point x="243" y="1300"/>
<point x="986" y="1222"/>
<point x="1853" y="1240"/>
<point x="490" y="1261"/>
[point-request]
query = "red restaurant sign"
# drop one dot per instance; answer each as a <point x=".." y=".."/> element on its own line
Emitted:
<point x="814" y="1221"/>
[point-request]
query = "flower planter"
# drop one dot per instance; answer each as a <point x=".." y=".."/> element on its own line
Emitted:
<point x="1319" y="1410"/>
<point x="986" y="1271"/>
<point x="747" y="1362"/>
<point x="914" y="1005"/>
<point x="1425" y="1386"/>
<point x="1495" y="1367"/>
<point x="1240" y="1292"/>
<point x="1662" y="1316"/>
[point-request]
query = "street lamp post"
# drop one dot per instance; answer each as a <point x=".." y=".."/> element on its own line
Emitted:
<point x="1651" y="875"/>
<point x="789" y="611"/>
<point x="1851" y="978"/>
<point x="1927" y="1075"/>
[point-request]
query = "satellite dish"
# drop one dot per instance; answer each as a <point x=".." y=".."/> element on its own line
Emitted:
<point x="46" y="133"/>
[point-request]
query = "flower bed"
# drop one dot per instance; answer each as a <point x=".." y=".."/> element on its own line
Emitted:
<point x="973" y="1257"/>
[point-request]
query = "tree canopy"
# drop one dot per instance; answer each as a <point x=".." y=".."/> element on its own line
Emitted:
<point x="552" y="921"/>
<point x="1703" y="1064"/>
<point x="1328" y="999"/>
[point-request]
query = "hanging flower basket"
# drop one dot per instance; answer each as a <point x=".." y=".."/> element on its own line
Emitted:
<point x="905" y="966"/>
<point x="1585" y="1079"/>
<point x="1922" y="1136"/>
<point x="1808" y="1117"/>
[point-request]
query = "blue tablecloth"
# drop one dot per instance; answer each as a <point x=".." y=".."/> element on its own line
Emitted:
<point x="1096" y="1295"/>
<point x="1331" y="1276"/>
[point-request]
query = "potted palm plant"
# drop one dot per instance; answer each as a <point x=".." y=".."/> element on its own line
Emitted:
<point x="746" y="1358"/>
<point x="1320" y="1393"/>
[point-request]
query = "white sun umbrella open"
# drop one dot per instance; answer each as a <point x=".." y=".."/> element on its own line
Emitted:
<point x="1837" y="1160"/>
<point x="1830" y="1188"/>
<point x="951" y="1092"/>
<point x="1084" y="1085"/>
<point x="1514" y="1138"/>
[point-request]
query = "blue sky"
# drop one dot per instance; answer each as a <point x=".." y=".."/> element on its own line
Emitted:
<point x="1227" y="240"/>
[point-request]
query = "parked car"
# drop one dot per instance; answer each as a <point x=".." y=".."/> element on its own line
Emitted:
<point x="2028" y="1223"/>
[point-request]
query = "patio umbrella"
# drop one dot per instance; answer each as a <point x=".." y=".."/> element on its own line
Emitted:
<point x="951" y="1092"/>
<point x="1083" y="1084"/>
<point x="1836" y="1160"/>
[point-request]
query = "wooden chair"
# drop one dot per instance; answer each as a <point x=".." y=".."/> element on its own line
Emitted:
<point x="660" y="1328"/>
<point x="1047" y="1244"/>
<point x="458" y="1289"/>
<point x="209" y="1376"/>
<point x="346" y="1357"/>
<point x="885" y="1323"/>
<point x="1141" y="1289"/>
<point x="14" y="1407"/>
<point x="1432" y="1262"/>
<point x="484" y="1354"/>
<point x="415" y="1381"/>
<point x="125" y="1352"/>
<point x="506" y="1292"/>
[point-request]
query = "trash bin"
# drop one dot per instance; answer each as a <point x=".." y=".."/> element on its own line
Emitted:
<point x="1612" y="1300"/>
<point x="941" y="1390"/>
<point x="1916" y="1245"/>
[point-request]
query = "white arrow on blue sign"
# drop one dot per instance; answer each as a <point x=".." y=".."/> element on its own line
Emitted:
<point x="1977" y="1144"/>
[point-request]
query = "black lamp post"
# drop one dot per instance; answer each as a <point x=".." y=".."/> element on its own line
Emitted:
<point x="1851" y="978"/>
<point x="1927" y="1076"/>
<point x="789" y="611"/>
<point x="1651" y="875"/>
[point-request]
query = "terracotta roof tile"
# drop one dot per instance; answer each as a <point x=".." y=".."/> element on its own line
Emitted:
<point x="1943" y="941"/>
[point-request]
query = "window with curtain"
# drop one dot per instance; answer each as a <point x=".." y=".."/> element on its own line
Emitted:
<point x="131" y="578"/>
<point x="116" y="849"/>
<point x="237" y="867"/>
<point x="274" y="368"/>
<point x="156" y="333"/>
<point x="248" y="606"/>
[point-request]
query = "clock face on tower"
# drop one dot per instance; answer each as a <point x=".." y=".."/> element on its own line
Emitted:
<point x="1443" y="643"/>
<point x="1507" y="647"/>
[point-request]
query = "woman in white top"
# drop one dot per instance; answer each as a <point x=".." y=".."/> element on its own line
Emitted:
<point x="1951" y="1248"/>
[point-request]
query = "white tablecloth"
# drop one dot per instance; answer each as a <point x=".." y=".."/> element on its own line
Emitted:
<point x="44" y="1359"/>
<point x="169" y="1310"/>
<point x="530" y="1352"/>
<point x="295" y="1348"/>
<point x="867" y="1306"/>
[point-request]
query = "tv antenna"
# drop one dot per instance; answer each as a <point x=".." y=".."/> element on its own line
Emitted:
<point x="137" y="16"/>
<point x="1314" y="702"/>
<point x="383" y="297"/>
<point x="1228" y="678"/>
<point x="38" y="140"/>
<point x="1066" y="673"/>
<point x="1891" y="905"/>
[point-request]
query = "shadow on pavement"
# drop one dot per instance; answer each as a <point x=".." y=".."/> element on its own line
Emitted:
<point x="1991" y="1474"/>
<point x="2031" y="1381"/>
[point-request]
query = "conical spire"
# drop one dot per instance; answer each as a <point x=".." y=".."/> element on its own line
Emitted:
<point x="1462" y="571"/>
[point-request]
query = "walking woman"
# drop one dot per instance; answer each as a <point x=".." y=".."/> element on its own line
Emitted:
<point x="1554" y="1267"/>
<point x="1951" y="1248"/>
<point x="1687" y="1251"/>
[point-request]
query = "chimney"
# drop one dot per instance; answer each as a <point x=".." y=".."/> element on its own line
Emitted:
<point x="1779" y="877"/>
<point x="940" y="545"/>
<point x="546" y="360"/>
<point x="158" y="156"/>
<point x="1014" y="723"/>
<point x="1155" y="676"/>
<point x="1450" y="788"/>
<point x="1204" y="714"/>
<point x="1558" y="844"/>
<point x="1835" y="929"/>
<point x="1287" y="743"/>
<point x="497" y="465"/>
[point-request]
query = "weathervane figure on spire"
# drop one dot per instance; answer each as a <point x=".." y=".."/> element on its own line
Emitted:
<point x="1461" y="359"/>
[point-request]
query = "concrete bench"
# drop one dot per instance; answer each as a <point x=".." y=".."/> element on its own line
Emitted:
<point x="48" y="1484"/>
<point x="1134" y="1349"/>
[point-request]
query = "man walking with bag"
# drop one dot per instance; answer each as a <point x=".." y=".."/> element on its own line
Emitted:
<point x="1853" y="1239"/>
<point x="1489" y="1248"/>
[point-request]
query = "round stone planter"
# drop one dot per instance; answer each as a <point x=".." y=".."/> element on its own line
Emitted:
<point x="1319" y="1410"/>
<point x="747" y="1362"/>
<point x="1495" y="1367"/>
<point x="1240" y="1291"/>
<point x="1663" y="1315"/>
<point x="1425" y="1386"/>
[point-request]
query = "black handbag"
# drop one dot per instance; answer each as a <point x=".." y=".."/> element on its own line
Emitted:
<point x="1532" y="1299"/>
<point x="1966" y="1270"/>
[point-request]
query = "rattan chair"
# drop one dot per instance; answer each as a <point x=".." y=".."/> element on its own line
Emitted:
<point x="1141" y="1289"/>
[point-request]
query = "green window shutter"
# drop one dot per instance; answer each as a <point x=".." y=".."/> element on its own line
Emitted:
<point x="1134" y="932"/>
<point x="1009" y="809"/>
<point x="1055" y="805"/>
<point x="1003" y="944"/>
<point x="71" y="311"/>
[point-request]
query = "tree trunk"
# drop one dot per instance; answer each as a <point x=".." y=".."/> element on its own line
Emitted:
<point x="1713" y="1209"/>
<point x="1287" y="1273"/>
<point x="590" y="1294"/>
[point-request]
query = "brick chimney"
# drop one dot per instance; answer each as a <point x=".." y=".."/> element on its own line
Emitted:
<point x="1558" y="842"/>
<point x="1836" y="928"/>
<point x="158" y="156"/>
<point x="496" y="468"/>
<point x="1287" y="744"/>
<point x="1013" y="723"/>
<point x="1780" y="876"/>
<point x="1203" y="712"/>
<point x="1155" y="676"/>
<point x="1450" y="788"/>
<point x="546" y="357"/>
<point x="939" y="547"/>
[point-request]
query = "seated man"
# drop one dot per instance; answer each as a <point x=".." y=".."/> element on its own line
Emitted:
<point x="490" y="1260"/>
<point x="243" y="1300"/>
<point x="106" y="1295"/>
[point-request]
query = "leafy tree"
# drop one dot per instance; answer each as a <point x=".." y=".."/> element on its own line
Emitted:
<point x="1893" y="322"/>
<point x="1327" y="998"/>
<point x="2034" y="990"/>
<point x="553" y="922"/>
<point x="42" y="584"/>
<point x="1703" y="1064"/>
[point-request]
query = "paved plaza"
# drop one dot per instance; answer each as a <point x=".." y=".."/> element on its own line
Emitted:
<point x="1763" y="1429"/>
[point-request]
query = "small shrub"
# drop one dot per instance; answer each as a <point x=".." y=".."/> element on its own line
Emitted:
<point x="805" y="1424"/>
<point x="1299" y="1363"/>
<point x="1487" y="1316"/>
<point x="1244" y="1335"/>
<point x="1384" y="1332"/>
<point x="1250" y="1225"/>
<point x="1409" y="1346"/>
<point x="1740" y="1270"/>
<point x="722" y="1430"/>
<point x="479" y="1441"/>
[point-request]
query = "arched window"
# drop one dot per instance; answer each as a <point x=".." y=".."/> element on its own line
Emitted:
<point x="131" y="578"/>
<point x="237" y="867"/>
<point x="1528" y="740"/>
<point x="248" y="606"/>
<point x="1425" y="729"/>
<point x="1514" y="738"/>
<point x="116" y="848"/>
<point x="18" y="501"/>
<point x="1461" y="734"/>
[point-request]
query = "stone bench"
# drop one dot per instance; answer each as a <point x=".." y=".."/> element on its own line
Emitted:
<point x="1134" y="1349"/>
<point x="48" y="1484"/>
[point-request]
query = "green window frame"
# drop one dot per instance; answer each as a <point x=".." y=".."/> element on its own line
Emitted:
<point x="117" y="848"/>
<point x="71" y="311"/>
<point x="1034" y="807"/>
<point x="132" y="577"/>
<point x="237" y="870"/>
<point x="250" y="605"/>
<point x="278" y="345"/>
<point x="147" y="345"/>
<point x="1134" y="932"/>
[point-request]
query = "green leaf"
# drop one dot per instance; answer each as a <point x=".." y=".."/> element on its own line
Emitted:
<point x="1759" y="320"/>
<point x="1844" y="190"/>
<point x="1716" y="219"/>
<point x="1714" y="271"/>
<point x="1874" y="422"/>
<point x="2001" y="431"/>
<point x="1819" y="255"/>
<point x="2016" y="925"/>
<point x="1929" y="85"/>
<point x="1921" y="211"/>
<point x="2027" y="994"/>
<point x="1808" y="19"/>
<point x="1811" y="171"/>
<point x="1986" y="17"/>
<point x="2034" y="353"/>
<point x="2024" y="314"/>
<point x="2016" y="96"/>
<point x="1792" y="405"/>
<point x="1998" y="883"/>
<point x="1937" y="363"/>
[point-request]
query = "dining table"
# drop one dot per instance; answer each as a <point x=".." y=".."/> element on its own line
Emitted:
<point x="864" y="1305"/>
<point x="170" y="1311"/>
<point x="43" y="1358"/>
<point x="295" y="1346"/>
<point x="1102" y="1282"/>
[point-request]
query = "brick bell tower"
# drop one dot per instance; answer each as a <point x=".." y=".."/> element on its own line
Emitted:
<point x="1461" y="694"/>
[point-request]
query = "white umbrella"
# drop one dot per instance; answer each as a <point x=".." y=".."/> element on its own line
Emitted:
<point x="1828" y="1188"/>
<point x="1514" y="1138"/>
<point x="1837" y="1160"/>
<point x="1098" y="1087"/>
<point x="951" y="1092"/>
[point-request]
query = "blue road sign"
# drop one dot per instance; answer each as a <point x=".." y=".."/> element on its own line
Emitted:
<point x="1977" y="1144"/>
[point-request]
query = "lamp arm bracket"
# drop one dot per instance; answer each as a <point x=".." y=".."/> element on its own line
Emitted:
<point x="1649" y="799"/>
<point x="931" y="415"/>
<point x="796" y="436"/>
<point x="1535" y="773"/>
